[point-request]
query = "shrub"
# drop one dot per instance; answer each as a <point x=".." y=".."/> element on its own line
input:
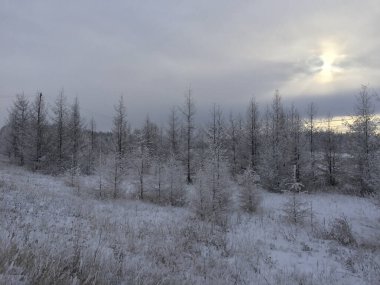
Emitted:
<point x="340" y="230"/>
<point x="250" y="198"/>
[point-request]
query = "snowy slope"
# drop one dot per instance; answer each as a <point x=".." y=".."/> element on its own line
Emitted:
<point x="50" y="232"/>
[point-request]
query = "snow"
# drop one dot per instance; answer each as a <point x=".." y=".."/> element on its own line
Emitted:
<point x="151" y="244"/>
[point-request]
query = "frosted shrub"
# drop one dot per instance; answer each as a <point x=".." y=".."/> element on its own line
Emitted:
<point x="295" y="209"/>
<point x="340" y="230"/>
<point x="210" y="199"/>
<point x="250" y="198"/>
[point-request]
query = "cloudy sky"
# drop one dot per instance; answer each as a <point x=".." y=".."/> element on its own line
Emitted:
<point x="152" y="51"/>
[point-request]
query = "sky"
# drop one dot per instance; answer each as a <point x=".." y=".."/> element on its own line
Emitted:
<point x="152" y="52"/>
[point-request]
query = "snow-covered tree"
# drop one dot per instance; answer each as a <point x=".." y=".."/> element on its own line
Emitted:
<point x="120" y="130"/>
<point x="38" y="133"/>
<point x="274" y="167"/>
<point x="211" y="197"/>
<point x="173" y="131"/>
<point x="253" y="133"/>
<point x="141" y="161"/>
<point x="365" y="142"/>
<point x="249" y="192"/>
<point x="75" y="137"/>
<point x="311" y="130"/>
<point x="174" y="181"/>
<point x="330" y="154"/>
<point x="188" y="111"/>
<point x="294" y="142"/>
<point x="60" y="133"/>
<point x="18" y="122"/>
<point x="117" y="158"/>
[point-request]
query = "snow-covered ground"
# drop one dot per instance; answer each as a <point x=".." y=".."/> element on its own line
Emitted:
<point x="51" y="233"/>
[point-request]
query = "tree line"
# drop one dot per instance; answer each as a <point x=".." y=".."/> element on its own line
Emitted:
<point x="273" y="146"/>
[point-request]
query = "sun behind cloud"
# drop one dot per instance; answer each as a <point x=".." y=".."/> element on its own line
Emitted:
<point x="330" y="56"/>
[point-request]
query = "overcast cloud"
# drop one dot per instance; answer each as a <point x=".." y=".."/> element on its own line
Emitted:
<point x="151" y="51"/>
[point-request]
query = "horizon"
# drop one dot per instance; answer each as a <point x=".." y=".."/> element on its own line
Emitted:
<point x="152" y="52"/>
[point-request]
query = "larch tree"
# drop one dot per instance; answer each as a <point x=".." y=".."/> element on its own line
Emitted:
<point x="274" y="165"/>
<point x="365" y="142"/>
<point x="60" y="132"/>
<point x="232" y="132"/>
<point x="211" y="198"/>
<point x="91" y="145"/>
<point x="75" y="134"/>
<point x="173" y="131"/>
<point x="19" y="122"/>
<point x="311" y="130"/>
<point x="330" y="153"/>
<point x="295" y="140"/>
<point x="118" y="161"/>
<point x="253" y="133"/>
<point x="38" y="132"/>
<point x="188" y="111"/>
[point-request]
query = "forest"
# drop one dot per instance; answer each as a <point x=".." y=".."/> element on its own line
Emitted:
<point x="214" y="196"/>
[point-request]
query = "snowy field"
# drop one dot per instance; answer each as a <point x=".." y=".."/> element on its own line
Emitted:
<point x="54" y="234"/>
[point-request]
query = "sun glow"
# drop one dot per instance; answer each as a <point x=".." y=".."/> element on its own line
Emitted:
<point x="330" y="58"/>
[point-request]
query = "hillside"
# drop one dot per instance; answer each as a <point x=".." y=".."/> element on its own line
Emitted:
<point x="51" y="232"/>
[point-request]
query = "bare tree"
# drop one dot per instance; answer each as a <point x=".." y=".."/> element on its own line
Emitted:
<point x="365" y="143"/>
<point x="274" y="163"/>
<point x="18" y="122"/>
<point x="330" y="153"/>
<point x="311" y="129"/>
<point x="140" y="162"/>
<point x="119" y="135"/>
<point x="75" y="134"/>
<point x="249" y="195"/>
<point x="233" y="142"/>
<point x="188" y="111"/>
<point x="172" y="132"/>
<point x="91" y="147"/>
<point x="120" y="130"/>
<point x="60" y="129"/>
<point x="253" y="129"/>
<point x="295" y="126"/>
<point x="38" y="132"/>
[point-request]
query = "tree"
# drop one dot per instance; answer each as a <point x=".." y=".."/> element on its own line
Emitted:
<point x="365" y="143"/>
<point x="215" y="136"/>
<point x="172" y="131"/>
<point x="19" y="122"/>
<point x="233" y="137"/>
<point x="295" y="126"/>
<point x="252" y="133"/>
<point x="60" y="131"/>
<point x="140" y="162"/>
<point x="150" y="136"/>
<point x="211" y="198"/>
<point x="274" y="163"/>
<point x="120" y="130"/>
<point x="188" y="111"/>
<point x="38" y="132"/>
<point x="75" y="135"/>
<point x="174" y="182"/>
<point x="249" y="196"/>
<point x="311" y="129"/>
<point x="119" y="136"/>
<point x="91" y="147"/>
<point x="330" y="153"/>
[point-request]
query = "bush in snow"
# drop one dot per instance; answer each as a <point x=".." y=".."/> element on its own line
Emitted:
<point x="250" y="198"/>
<point x="295" y="209"/>
<point x="340" y="230"/>
<point x="210" y="199"/>
<point x="174" y="182"/>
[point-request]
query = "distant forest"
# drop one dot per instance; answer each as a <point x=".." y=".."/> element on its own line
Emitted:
<point x="278" y="146"/>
